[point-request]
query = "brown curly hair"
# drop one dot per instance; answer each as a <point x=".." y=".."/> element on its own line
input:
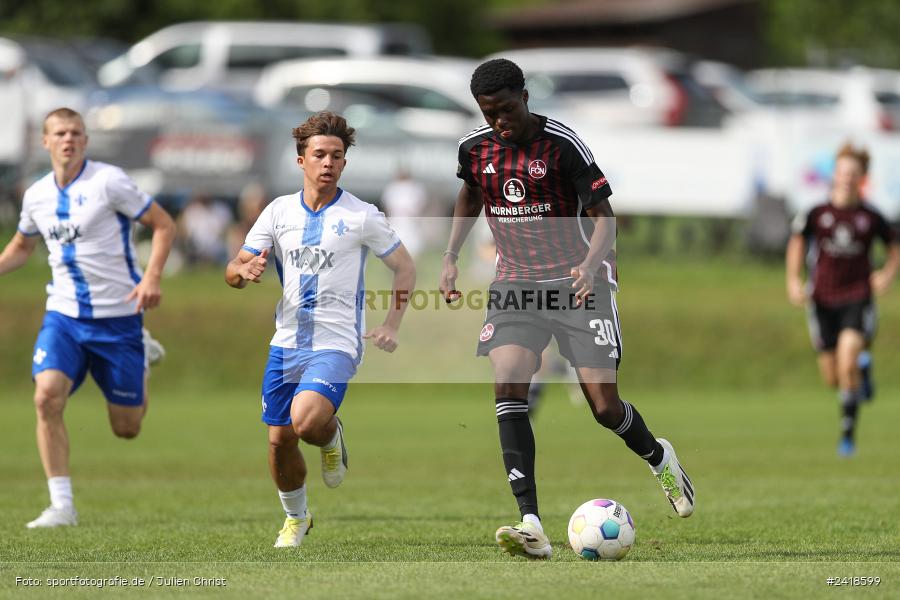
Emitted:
<point x="323" y="123"/>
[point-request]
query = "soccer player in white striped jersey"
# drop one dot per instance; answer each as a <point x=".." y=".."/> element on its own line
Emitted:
<point x="318" y="238"/>
<point x="85" y="210"/>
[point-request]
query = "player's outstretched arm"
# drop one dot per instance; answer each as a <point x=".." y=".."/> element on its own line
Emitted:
<point x="793" y="260"/>
<point x="245" y="267"/>
<point x="148" y="293"/>
<point x="881" y="279"/>
<point x="469" y="204"/>
<point x="401" y="263"/>
<point x="16" y="252"/>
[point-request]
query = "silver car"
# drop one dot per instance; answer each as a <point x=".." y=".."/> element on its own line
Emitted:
<point x="230" y="54"/>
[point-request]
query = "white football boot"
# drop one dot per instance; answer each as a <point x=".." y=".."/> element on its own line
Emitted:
<point x="153" y="350"/>
<point x="674" y="481"/>
<point x="54" y="517"/>
<point x="334" y="461"/>
<point x="524" y="539"/>
<point x="293" y="531"/>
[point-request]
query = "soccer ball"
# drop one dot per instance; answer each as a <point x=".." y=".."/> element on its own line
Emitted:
<point x="601" y="530"/>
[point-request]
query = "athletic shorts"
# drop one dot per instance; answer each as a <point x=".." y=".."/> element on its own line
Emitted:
<point x="111" y="349"/>
<point x="291" y="371"/>
<point x="528" y="314"/>
<point x="827" y="322"/>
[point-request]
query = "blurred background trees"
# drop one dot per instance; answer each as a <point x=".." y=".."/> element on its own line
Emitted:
<point x="456" y="26"/>
<point x="833" y="32"/>
<point x="797" y="32"/>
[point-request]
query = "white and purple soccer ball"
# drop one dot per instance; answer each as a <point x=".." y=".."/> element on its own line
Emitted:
<point x="601" y="529"/>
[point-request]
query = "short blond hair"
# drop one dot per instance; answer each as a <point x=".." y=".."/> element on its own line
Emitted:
<point x="66" y="114"/>
<point x="860" y="155"/>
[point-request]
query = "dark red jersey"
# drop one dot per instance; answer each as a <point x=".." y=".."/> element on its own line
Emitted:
<point x="535" y="195"/>
<point x="841" y="240"/>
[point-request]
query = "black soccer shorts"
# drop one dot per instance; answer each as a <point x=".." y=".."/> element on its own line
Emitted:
<point x="826" y="322"/>
<point x="528" y="314"/>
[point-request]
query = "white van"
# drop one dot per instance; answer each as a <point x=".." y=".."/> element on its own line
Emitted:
<point x="230" y="54"/>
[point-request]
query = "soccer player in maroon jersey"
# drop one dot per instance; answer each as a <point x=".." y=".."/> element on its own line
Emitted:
<point x="542" y="194"/>
<point x="841" y="311"/>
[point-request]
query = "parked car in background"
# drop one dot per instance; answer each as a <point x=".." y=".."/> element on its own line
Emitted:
<point x="44" y="74"/>
<point x="616" y="86"/>
<point x="857" y="99"/>
<point x="177" y="144"/>
<point x="422" y="95"/>
<point x="53" y="75"/>
<point x="727" y="84"/>
<point x="230" y="54"/>
<point x="13" y="125"/>
<point x="409" y="114"/>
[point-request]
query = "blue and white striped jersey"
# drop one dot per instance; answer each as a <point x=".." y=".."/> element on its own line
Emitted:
<point x="321" y="259"/>
<point x="87" y="227"/>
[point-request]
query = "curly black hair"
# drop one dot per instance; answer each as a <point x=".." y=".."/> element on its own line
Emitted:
<point x="495" y="75"/>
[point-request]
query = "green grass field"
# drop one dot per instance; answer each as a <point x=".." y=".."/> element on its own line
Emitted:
<point x="714" y="358"/>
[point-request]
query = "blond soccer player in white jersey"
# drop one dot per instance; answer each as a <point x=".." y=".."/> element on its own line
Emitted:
<point x="319" y="239"/>
<point x="84" y="210"/>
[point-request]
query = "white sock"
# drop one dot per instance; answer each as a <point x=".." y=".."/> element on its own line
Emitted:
<point x="294" y="502"/>
<point x="533" y="519"/>
<point x="662" y="464"/>
<point x="330" y="445"/>
<point x="60" y="492"/>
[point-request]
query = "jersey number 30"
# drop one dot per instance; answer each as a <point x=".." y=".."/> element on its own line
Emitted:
<point x="606" y="332"/>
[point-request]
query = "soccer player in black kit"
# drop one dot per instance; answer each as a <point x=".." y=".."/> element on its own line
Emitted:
<point x="839" y="300"/>
<point x="546" y="202"/>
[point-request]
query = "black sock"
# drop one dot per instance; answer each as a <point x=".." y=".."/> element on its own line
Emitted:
<point x="849" y="409"/>
<point x="535" y="391"/>
<point x="636" y="436"/>
<point x="517" y="443"/>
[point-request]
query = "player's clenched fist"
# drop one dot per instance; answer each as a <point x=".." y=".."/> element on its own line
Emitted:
<point x="254" y="269"/>
<point x="383" y="337"/>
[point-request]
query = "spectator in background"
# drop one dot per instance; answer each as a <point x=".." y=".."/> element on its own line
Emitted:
<point x="203" y="225"/>
<point x="404" y="200"/>
<point x="251" y="203"/>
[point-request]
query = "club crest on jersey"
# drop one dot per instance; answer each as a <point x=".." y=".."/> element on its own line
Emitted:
<point x="826" y="220"/>
<point x="39" y="355"/>
<point x="537" y="169"/>
<point x="311" y="260"/>
<point x="487" y="332"/>
<point x="862" y="223"/>
<point x="843" y="235"/>
<point x="340" y="229"/>
<point x="514" y="190"/>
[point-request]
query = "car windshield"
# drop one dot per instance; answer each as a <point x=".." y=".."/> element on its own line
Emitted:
<point x="59" y="67"/>
<point x="245" y="56"/>
<point x="379" y="96"/>
<point x="544" y="85"/>
<point x="797" y="98"/>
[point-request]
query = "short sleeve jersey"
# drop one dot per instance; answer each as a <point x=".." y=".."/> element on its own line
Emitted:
<point x="841" y="239"/>
<point x="535" y="195"/>
<point x="320" y="258"/>
<point x="87" y="226"/>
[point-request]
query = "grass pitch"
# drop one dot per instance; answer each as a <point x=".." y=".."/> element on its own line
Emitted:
<point x="714" y="359"/>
